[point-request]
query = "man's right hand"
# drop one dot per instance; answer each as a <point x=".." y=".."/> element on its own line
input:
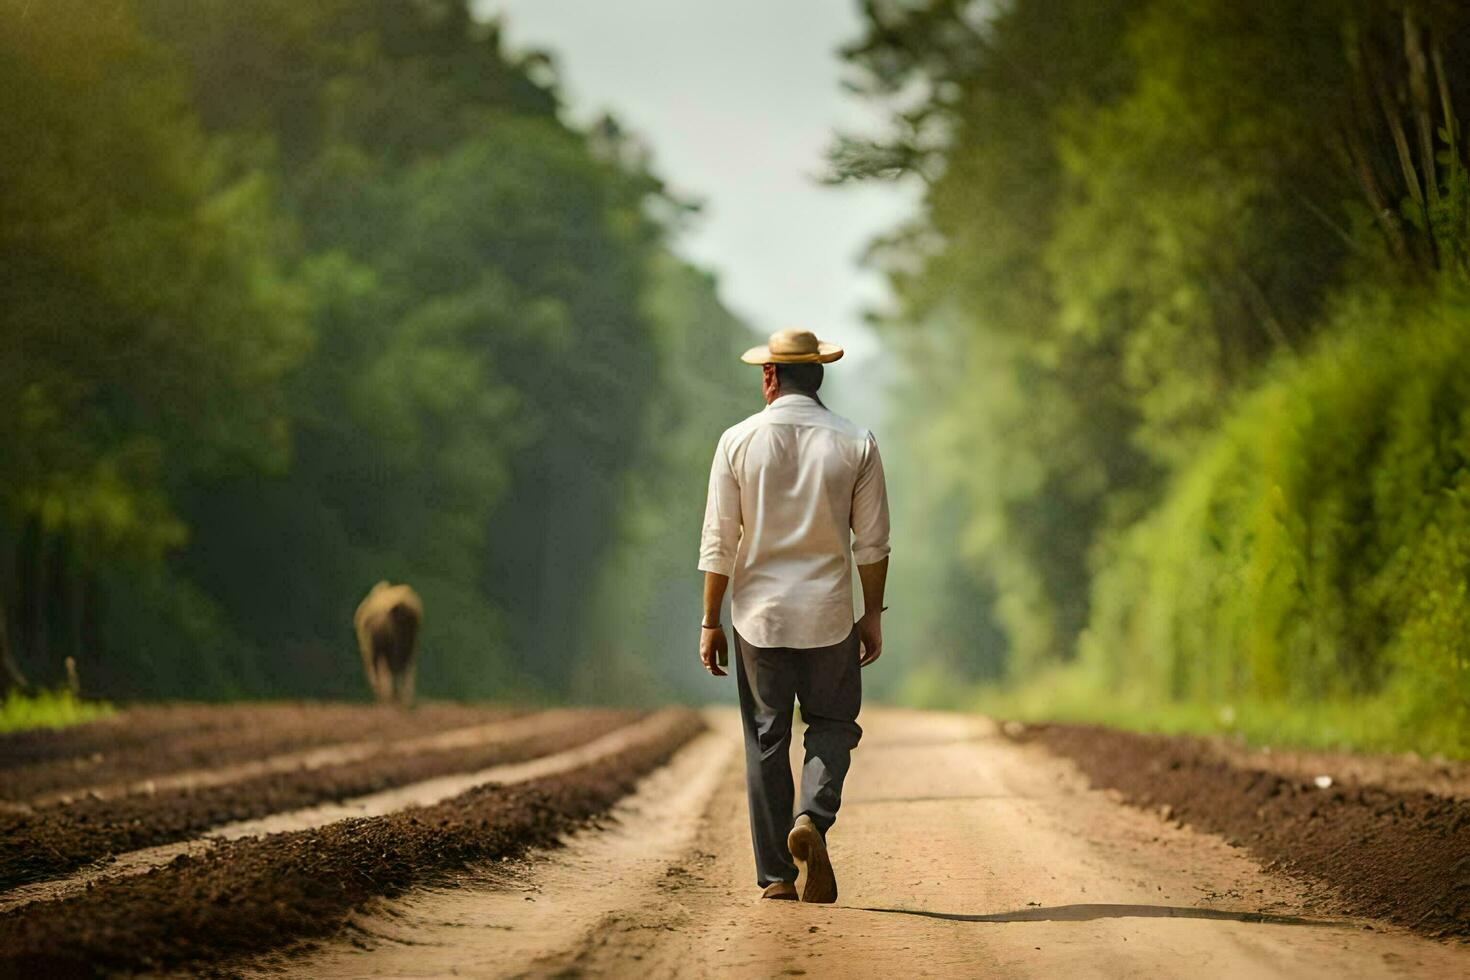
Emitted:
<point x="870" y="632"/>
<point x="713" y="647"/>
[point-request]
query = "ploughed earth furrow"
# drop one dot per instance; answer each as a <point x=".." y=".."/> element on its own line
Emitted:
<point x="58" y="839"/>
<point x="319" y="757"/>
<point x="253" y="895"/>
<point x="1397" y="854"/>
<point x="139" y="743"/>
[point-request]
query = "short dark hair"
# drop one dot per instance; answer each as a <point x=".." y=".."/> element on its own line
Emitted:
<point x="804" y="378"/>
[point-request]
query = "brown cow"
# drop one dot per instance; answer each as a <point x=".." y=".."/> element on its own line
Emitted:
<point x="387" y="624"/>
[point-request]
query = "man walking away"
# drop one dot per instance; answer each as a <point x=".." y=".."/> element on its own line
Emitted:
<point x="796" y="494"/>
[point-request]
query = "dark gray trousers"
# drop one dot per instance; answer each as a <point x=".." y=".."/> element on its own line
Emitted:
<point x="828" y="683"/>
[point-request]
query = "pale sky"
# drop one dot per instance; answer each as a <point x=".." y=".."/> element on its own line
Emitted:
<point x="738" y="102"/>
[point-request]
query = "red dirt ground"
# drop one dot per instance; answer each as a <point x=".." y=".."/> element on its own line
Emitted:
<point x="1392" y="853"/>
<point x="257" y="894"/>
<point x="145" y="741"/>
<point x="58" y="839"/>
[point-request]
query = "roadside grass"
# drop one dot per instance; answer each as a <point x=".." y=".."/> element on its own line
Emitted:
<point x="48" y="709"/>
<point x="1070" y="695"/>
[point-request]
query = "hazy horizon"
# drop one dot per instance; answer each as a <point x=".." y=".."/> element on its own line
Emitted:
<point x="750" y="145"/>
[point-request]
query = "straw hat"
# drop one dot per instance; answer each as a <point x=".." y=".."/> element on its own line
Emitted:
<point x="793" y="347"/>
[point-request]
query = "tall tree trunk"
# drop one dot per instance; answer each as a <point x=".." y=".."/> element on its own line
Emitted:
<point x="1446" y="104"/>
<point x="76" y="597"/>
<point x="40" y="586"/>
<point x="1389" y="103"/>
<point x="35" y="590"/>
<point x="10" y="676"/>
<point x="1423" y="109"/>
<point x="1260" y="305"/>
<point x="92" y="626"/>
<point x="25" y="591"/>
<point x="1388" y="220"/>
<point x="1354" y="146"/>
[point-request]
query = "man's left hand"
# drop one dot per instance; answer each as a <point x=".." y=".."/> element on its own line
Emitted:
<point x="870" y="632"/>
<point x="713" y="647"/>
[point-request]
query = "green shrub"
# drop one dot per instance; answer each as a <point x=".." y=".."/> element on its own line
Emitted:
<point x="48" y="709"/>
<point x="1317" y="550"/>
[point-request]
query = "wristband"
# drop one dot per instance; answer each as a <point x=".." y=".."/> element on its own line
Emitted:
<point x="714" y="627"/>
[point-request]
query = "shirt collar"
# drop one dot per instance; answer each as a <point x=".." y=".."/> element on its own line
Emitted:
<point x="793" y="399"/>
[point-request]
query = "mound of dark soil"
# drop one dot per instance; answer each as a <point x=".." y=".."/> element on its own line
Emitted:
<point x="253" y="895"/>
<point x="142" y="742"/>
<point x="54" y="840"/>
<point x="1398" y="855"/>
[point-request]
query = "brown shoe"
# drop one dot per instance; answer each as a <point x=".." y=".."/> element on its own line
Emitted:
<point x="781" y="891"/>
<point x="810" y="851"/>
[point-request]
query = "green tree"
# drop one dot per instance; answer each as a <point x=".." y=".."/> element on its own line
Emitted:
<point x="487" y="357"/>
<point x="1030" y="425"/>
<point x="145" y="326"/>
<point x="1132" y="210"/>
<point x="642" y="647"/>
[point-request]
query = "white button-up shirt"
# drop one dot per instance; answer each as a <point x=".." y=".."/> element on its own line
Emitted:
<point x="796" y="494"/>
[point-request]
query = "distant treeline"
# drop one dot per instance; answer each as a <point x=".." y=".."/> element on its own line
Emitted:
<point x="1187" y="307"/>
<point x="297" y="296"/>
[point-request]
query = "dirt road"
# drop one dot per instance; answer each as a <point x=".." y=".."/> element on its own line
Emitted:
<point x="344" y="841"/>
<point x="959" y="853"/>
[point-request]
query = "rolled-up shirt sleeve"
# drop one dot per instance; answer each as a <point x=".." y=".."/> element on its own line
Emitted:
<point x="869" y="508"/>
<point x="721" y="533"/>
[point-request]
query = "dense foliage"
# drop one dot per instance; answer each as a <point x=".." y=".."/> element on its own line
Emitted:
<point x="1173" y="301"/>
<point x="1317" y="548"/>
<point x="297" y="297"/>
